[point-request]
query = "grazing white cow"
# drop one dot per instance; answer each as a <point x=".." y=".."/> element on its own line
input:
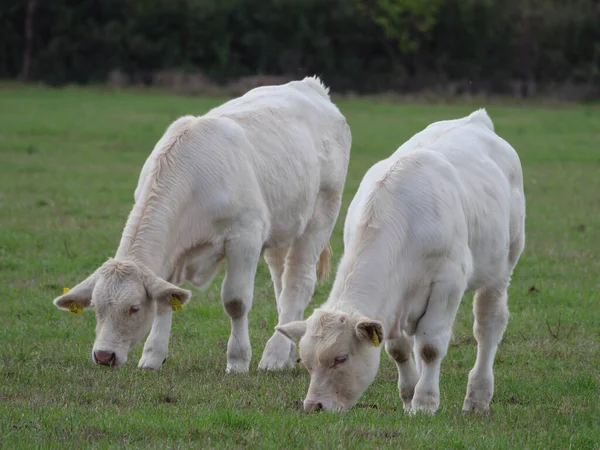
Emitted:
<point x="264" y="171"/>
<point x="443" y="215"/>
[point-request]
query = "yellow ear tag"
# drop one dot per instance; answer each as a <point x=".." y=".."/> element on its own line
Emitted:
<point x="75" y="308"/>
<point x="176" y="304"/>
<point x="375" y="339"/>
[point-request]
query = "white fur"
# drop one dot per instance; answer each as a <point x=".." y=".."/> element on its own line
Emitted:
<point x="441" y="216"/>
<point x="264" y="171"/>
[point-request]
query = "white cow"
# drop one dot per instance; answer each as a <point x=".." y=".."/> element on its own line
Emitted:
<point x="443" y="215"/>
<point x="264" y="171"/>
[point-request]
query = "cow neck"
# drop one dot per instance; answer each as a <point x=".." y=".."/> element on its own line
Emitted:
<point x="352" y="292"/>
<point x="148" y="241"/>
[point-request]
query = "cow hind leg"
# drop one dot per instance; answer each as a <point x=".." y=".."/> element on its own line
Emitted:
<point x="275" y="258"/>
<point x="299" y="279"/>
<point x="490" y="308"/>
<point x="242" y="252"/>
<point x="400" y="350"/>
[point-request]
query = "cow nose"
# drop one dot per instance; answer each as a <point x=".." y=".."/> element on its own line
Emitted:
<point x="313" y="406"/>
<point x="104" y="358"/>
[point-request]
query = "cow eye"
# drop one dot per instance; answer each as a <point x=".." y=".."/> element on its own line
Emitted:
<point x="134" y="309"/>
<point x="340" y="359"/>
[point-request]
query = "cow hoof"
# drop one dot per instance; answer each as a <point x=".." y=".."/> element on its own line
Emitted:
<point x="266" y="364"/>
<point x="413" y="411"/>
<point x="150" y="362"/>
<point x="425" y="404"/>
<point x="279" y="354"/>
<point x="473" y="406"/>
<point x="237" y="367"/>
<point x="148" y="367"/>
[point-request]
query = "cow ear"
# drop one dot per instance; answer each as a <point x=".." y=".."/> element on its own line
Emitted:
<point x="167" y="293"/>
<point x="77" y="299"/>
<point x="370" y="331"/>
<point x="293" y="330"/>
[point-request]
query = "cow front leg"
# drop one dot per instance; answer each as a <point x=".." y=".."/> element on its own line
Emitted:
<point x="157" y="344"/>
<point x="432" y="338"/>
<point x="400" y="350"/>
<point x="242" y="253"/>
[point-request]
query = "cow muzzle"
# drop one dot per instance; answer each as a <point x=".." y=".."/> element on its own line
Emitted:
<point x="317" y="405"/>
<point x="105" y="358"/>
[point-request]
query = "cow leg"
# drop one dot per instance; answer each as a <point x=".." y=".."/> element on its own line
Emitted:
<point x="200" y="268"/>
<point x="299" y="279"/>
<point x="417" y="357"/>
<point x="242" y="252"/>
<point x="157" y="343"/>
<point x="432" y="338"/>
<point x="400" y="351"/>
<point x="490" y="308"/>
<point x="275" y="258"/>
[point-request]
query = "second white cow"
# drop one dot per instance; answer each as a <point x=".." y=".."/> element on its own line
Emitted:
<point x="443" y="215"/>
<point x="263" y="172"/>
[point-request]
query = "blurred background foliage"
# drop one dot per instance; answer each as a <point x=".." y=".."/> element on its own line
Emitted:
<point x="357" y="45"/>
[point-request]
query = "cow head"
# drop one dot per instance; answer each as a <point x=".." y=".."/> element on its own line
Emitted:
<point x="125" y="296"/>
<point x="341" y="352"/>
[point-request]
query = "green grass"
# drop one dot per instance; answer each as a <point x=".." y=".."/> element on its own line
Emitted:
<point x="69" y="163"/>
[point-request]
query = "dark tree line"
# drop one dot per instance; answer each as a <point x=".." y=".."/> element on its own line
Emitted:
<point x="361" y="45"/>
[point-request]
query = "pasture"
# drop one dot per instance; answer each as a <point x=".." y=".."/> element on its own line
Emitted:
<point x="69" y="163"/>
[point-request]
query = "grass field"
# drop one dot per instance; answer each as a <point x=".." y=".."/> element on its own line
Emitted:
<point x="69" y="162"/>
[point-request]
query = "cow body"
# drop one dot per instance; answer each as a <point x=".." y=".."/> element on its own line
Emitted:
<point x="263" y="172"/>
<point x="441" y="216"/>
